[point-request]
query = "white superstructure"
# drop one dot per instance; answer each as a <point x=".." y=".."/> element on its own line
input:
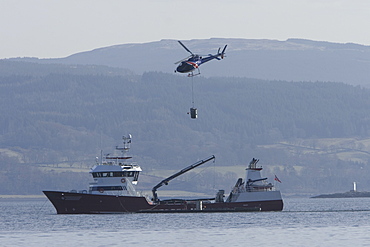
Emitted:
<point x="114" y="175"/>
<point x="254" y="187"/>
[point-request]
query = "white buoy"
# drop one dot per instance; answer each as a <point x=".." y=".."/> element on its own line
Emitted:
<point x="354" y="187"/>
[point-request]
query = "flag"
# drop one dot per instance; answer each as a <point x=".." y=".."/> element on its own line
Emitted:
<point x="277" y="179"/>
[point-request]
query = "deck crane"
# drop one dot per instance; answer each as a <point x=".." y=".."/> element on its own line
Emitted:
<point x="167" y="180"/>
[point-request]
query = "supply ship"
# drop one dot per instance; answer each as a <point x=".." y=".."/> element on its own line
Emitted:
<point x="114" y="191"/>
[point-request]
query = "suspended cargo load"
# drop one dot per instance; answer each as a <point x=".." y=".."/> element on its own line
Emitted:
<point x="193" y="113"/>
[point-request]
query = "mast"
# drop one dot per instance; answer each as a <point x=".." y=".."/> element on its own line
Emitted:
<point x="126" y="145"/>
<point x="124" y="150"/>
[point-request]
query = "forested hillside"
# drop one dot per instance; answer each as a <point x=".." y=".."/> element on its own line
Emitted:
<point x="65" y="115"/>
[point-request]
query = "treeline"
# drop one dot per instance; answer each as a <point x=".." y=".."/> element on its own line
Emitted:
<point x="67" y="111"/>
<point x="254" y="107"/>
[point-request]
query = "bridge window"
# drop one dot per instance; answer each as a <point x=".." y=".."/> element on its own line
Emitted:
<point x="134" y="174"/>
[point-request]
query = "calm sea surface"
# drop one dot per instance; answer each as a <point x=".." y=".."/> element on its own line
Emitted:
<point x="304" y="222"/>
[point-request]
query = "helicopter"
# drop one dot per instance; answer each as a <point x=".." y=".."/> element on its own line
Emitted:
<point x="192" y="62"/>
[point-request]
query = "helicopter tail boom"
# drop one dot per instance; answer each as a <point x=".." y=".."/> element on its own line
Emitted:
<point x="216" y="56"/>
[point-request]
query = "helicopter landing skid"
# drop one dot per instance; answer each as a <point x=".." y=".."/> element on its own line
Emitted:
<point x="191" y="74"/>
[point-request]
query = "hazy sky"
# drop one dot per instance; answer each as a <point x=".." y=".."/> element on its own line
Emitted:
<point x="58" y="28"/>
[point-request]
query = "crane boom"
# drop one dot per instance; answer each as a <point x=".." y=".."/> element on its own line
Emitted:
<point x="167" y="180"/>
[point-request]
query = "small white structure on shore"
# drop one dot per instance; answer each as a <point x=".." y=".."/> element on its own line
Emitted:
<point x="354" y="187"/>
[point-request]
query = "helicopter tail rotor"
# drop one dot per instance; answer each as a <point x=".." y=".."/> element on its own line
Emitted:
<point x="223" y="52"/>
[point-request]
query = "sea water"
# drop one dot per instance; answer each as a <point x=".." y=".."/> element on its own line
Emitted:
<point x="303" y="222"/>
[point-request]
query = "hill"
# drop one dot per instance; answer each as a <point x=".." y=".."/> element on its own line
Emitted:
<point x="56" y="119"/>
<point x="290" y="60"/>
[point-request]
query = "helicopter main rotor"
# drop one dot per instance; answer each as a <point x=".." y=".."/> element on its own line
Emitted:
<point x="185" y="48"/>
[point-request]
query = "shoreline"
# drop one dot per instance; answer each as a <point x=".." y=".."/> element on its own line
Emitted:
<point x="21" y="196"/>
<point x="349" y="194"/>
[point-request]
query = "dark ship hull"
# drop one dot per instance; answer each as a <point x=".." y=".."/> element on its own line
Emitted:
<point x="82" y="203"/>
